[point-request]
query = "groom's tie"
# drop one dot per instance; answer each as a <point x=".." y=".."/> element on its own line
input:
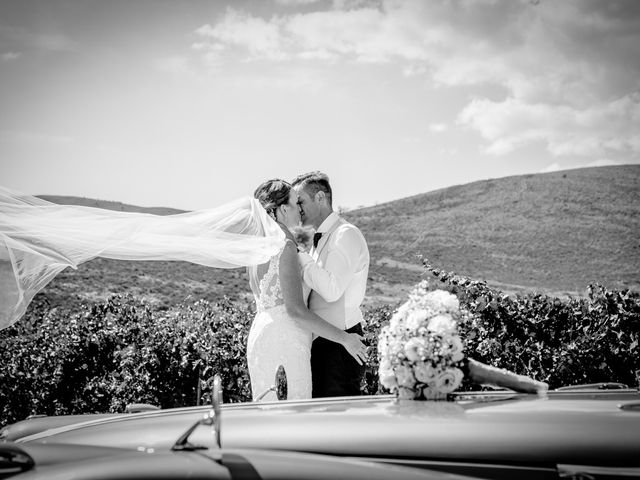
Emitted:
<point x="316" y="239"/>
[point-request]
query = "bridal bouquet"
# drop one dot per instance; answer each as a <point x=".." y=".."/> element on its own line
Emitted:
<point x="420" y="350"/>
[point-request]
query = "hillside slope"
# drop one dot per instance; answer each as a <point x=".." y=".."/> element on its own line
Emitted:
<point x="554" y="232"/>
<point x="107" y="205"/>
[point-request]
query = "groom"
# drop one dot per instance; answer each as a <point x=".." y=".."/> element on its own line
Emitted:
<point x="336" y="269"/>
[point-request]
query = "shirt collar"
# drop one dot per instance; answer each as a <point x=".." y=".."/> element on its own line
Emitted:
<point x="328" y="223"/>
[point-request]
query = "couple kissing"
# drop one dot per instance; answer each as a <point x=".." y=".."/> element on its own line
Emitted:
<point x="308" y="303"/>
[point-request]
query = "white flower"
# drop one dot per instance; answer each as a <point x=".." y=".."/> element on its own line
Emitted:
<point x="448" y="380"/>
<point x="397" y="321"/>
<point x="443" y="324"/>
<point x="442" y="301"/>
<point x="414" y="349"/>
<point x="455" y="348"/>
<point x="424" y="372"/>
<point x="404" y="376"/>
<point x="385" y="364"/>
<point x="403" y="310"/>
<point x="416" y="319"/>
<point x="383" y="339"/>
<point x="388" y="378"/>
<point x="395" y="346"/>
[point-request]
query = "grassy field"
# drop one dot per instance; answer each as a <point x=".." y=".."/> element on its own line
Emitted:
<point x="553" y="233"/>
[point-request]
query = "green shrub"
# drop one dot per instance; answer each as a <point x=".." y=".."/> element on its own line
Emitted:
<point x="122" y="351"/>
<point x="559" y="341"/>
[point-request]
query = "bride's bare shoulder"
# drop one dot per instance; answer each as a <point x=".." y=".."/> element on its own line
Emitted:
<point x="289" y="252"/>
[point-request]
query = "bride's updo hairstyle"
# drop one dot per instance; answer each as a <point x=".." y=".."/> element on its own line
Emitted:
<point x="273" y="193"/>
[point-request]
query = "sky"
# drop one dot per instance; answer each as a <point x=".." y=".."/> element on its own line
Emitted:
<point x="191" y="103"/>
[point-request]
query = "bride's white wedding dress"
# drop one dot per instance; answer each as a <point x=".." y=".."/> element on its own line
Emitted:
<point x="275" y="338"/>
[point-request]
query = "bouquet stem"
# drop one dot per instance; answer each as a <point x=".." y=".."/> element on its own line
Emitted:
<point x="481" y="373"/>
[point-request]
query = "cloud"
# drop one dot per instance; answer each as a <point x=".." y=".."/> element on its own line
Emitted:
<point x="569" y="70"/>
<point x="10" y="56"/>
<point x="463" y="42"/>
<point x="438" y="127"/>
<point x="237" y="30"/>
<point x="601" y="129"/>
<point x="366" y="35"/>
<point x="360" y="34"/>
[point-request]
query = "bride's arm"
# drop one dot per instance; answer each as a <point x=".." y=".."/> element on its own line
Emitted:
<point x="291" y="284"/>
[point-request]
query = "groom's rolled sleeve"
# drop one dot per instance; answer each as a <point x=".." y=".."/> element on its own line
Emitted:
<point x="331" y="280"/>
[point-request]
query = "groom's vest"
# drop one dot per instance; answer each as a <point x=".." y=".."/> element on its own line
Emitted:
<point x="338" y="275"/>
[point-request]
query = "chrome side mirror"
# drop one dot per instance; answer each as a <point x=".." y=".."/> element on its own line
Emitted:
<point x="211" y="418"/>
<point x="280" y="385"/>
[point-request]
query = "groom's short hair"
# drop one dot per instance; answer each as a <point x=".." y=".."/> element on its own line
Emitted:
<point x="314" y="182"/>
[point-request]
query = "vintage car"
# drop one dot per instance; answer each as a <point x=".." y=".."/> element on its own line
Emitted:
<point x="583" y="432"/>
<point x="188" y="458"/>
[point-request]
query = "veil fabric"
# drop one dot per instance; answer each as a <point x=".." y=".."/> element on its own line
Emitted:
<point x="39" y="239"/>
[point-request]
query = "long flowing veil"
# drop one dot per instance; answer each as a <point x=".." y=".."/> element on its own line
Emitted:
<point x="39" y="239"/>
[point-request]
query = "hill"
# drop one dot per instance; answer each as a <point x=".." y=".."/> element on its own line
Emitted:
<point x="108" y="205"/>
<point x="554" y="233"/>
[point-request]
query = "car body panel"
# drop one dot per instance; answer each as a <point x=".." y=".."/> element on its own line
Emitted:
<point x="581" y="428"/>
<point x="40" y="423"/>
<point x="63" y="461"/>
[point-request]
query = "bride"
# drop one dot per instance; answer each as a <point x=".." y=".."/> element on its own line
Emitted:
<point x="39" y="239"/>
<point x="281" y="332"/>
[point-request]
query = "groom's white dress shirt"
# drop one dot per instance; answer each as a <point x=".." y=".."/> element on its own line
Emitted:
<point x="336" y="271"/>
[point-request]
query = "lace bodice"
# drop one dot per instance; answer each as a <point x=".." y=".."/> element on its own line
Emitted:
<point x="270" y="291"/>
<point x="265" y="284"/>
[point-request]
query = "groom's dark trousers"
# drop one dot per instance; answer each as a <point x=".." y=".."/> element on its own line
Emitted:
<point x="334" y="373"/>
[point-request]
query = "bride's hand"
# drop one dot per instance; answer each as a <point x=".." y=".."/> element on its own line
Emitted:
<point x="353" y="344"/>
